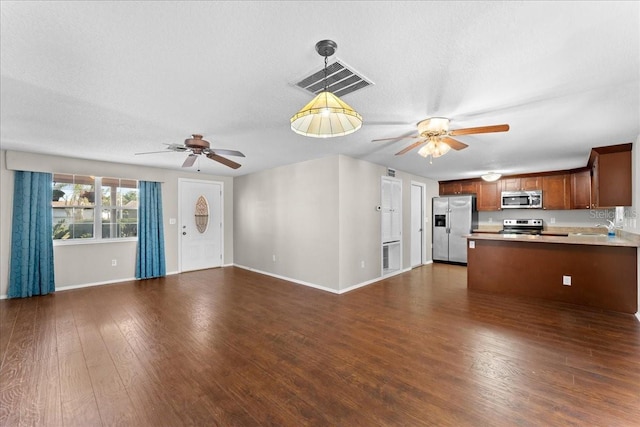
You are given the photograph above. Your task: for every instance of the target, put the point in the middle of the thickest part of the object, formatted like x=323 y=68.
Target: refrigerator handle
x=447 y=219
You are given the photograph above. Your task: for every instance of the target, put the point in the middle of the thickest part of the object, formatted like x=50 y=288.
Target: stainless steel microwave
x=522 y=199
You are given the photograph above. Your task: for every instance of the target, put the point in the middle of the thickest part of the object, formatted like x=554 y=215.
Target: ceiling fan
x=435 y=137
x=196 y=145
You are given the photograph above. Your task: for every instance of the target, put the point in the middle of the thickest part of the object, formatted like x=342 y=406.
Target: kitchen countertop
x=571 y=239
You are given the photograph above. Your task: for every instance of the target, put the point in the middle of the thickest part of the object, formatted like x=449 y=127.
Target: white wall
x=290 y=212
x=95 y=266
x=359 y=227
x=329 y=223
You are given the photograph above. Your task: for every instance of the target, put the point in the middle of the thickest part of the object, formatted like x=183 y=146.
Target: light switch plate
x=472 y=244
x=566 y=280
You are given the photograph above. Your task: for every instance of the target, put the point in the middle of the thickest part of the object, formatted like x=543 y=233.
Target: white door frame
x=182 y=181
x=423 y=196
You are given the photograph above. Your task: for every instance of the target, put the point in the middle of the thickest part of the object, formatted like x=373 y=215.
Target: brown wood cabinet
x=611 y=176
x=521 y=184
x=536 y=269
x=605 y=182
x=556 y=191
x=488 y=196
x=458 y=187
x=581 y=189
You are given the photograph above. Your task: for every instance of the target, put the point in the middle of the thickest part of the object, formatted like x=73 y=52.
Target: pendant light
x=326 y=115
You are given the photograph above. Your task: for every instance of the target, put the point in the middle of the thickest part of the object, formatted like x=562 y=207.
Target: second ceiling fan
x=435 y=137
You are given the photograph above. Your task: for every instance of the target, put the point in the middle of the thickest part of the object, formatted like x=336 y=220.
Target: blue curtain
x=150 y=260
x=31 y=236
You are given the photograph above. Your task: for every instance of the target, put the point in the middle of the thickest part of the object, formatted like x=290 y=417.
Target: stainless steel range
x=521 y=226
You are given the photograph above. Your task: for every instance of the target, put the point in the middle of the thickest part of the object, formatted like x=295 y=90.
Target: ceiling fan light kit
x=434 y=148
x=491 y=176
x=326 y=116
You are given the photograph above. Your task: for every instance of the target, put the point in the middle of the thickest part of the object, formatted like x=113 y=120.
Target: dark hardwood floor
x=230 y=347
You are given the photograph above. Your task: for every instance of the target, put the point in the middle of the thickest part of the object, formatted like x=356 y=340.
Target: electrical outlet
x=361 y=264
x=472 y=244
x=566 y=280
x=114 y=262
x=274 y=258
x=552 y=220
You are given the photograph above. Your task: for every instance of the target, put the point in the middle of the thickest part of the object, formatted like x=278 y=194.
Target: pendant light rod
x=326 y=48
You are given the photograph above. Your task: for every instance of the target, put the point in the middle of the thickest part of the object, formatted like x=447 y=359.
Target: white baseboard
x=638 y=315
x=108 y=282
x=289 y=279
x=324 y=288
x=89 y=285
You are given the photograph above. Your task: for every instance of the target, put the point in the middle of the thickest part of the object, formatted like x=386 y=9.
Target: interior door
x=417 y=225
x=200 y=224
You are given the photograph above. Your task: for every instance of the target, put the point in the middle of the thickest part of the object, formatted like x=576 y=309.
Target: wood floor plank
x=231 y=347
x=43 y=407
x=18 y=365
x=8 y=316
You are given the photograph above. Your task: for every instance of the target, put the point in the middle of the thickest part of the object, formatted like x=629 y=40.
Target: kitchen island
x=596 y=271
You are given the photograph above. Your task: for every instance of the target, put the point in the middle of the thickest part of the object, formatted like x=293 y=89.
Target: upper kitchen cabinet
x=458 y=187
x=521 y=184
x=488 y=196
x=556 y=191
x=611 y=176
x=581 y=189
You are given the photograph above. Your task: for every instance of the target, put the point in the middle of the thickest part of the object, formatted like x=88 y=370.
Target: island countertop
x=593 y=240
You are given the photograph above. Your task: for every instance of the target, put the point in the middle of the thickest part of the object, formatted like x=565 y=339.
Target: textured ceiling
x=106 y=80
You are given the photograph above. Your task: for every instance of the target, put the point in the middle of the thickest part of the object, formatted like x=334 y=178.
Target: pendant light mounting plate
x=326 y=48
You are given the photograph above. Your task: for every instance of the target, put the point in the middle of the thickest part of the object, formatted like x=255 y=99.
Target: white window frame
x=97 y=218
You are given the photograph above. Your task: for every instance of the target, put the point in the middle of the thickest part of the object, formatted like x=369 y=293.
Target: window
x=78 y=214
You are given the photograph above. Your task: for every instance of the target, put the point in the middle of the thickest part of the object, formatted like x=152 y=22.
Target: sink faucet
x=611 y=227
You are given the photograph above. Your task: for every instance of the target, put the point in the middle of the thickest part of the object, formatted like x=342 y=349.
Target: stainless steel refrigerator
x=453 y=218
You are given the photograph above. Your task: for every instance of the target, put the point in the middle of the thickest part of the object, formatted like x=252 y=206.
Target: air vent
x=341 y=80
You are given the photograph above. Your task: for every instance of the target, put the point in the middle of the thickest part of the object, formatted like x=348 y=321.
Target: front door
x=200 y=224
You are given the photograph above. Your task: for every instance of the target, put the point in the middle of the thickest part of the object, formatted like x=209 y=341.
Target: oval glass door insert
x=202 y=214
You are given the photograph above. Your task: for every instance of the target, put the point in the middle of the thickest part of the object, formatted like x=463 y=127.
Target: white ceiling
x=106 y=80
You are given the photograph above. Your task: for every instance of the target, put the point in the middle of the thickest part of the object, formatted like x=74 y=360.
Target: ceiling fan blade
x=170 y=149
x=455 y=144
x=480 y=129
x=396 y=138
x=411 y=147
x=155 y=152
x=227 y=152
x=223 y=160
x=189 y=161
